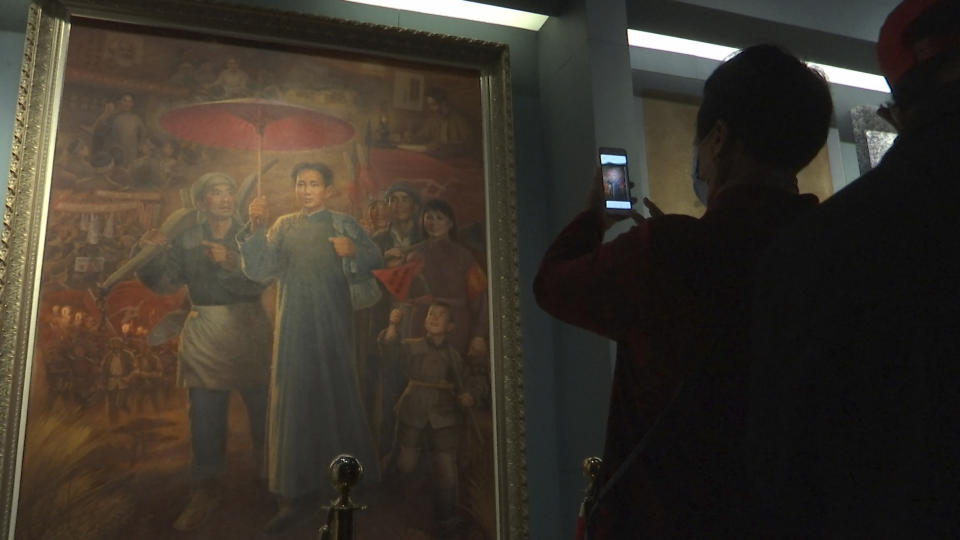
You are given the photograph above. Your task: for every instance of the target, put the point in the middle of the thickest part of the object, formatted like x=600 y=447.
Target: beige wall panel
x=669 y=130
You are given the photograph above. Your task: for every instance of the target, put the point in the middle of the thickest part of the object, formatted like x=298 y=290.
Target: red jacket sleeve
x=596 y=286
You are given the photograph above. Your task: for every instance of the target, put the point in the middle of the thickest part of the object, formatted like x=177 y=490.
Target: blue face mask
x=701 y=188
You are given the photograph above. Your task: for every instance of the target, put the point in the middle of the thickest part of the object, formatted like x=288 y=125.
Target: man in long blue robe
x=316 y=411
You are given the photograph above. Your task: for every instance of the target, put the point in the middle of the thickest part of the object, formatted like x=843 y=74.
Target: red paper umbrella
x=255 y=124
x=246 y=123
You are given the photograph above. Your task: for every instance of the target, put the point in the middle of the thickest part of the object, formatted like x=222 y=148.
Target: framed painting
x=239 y=243
x=872 y=135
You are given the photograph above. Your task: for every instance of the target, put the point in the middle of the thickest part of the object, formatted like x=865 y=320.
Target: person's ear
x=717 y=138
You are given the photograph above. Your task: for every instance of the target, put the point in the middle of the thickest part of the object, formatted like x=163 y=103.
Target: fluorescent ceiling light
x=461 y=9
x=849 y=77
x=660 y=42
x=711 y=51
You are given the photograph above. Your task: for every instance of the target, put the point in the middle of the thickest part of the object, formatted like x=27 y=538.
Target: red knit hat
x=894 y=51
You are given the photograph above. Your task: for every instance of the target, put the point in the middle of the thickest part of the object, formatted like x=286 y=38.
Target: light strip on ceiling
x=711 y=51
x=461 y=9
x=858 y=79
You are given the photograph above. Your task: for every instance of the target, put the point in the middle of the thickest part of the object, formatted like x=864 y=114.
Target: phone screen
x=616 y=185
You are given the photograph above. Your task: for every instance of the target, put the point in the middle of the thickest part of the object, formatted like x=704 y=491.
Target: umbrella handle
x=259 y=153
x=260 y=126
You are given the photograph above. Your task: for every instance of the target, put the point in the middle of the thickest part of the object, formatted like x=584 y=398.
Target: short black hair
x=442 y=206
x=444 y=305
x=776 y=105
x=314 y=166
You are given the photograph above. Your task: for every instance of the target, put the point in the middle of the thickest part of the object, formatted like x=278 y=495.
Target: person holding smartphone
x=673 y=291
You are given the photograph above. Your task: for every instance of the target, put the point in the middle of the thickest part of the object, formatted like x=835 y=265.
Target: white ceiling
x=860 y=19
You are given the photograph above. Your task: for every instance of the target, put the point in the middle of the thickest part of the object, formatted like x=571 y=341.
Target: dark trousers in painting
x=208 y=427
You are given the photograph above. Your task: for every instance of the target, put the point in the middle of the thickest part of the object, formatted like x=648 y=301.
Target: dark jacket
x=856 y=426
x=673 y=293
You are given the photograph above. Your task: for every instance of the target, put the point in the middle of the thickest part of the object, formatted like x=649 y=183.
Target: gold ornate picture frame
x=129 y=117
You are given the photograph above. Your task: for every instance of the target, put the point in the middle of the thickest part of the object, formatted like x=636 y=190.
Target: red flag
x=397 y=279
x=362 y=187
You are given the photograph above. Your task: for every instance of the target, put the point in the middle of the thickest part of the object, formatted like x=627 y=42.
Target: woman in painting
x=316 y=411
x=451 y=275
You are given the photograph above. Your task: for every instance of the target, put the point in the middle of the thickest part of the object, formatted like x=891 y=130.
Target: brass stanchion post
x=345 y=472
x=591 y=470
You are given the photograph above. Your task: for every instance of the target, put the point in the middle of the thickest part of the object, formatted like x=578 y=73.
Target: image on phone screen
x=616 y=190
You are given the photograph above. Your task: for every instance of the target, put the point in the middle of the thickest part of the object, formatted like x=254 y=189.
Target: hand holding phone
x=654 y=210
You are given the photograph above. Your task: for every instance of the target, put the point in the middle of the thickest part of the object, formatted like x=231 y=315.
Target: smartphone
x=616 y=182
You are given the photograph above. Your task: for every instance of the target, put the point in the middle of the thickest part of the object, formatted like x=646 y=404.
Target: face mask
x=701 y=188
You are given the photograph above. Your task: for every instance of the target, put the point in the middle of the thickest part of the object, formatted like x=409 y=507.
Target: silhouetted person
x=855 y=423
x=673 y=292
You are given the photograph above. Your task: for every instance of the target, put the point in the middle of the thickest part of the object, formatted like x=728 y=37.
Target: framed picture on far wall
x=240 y=243
x=872 y=134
